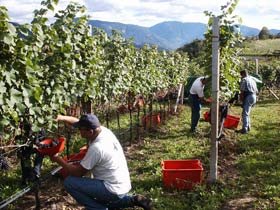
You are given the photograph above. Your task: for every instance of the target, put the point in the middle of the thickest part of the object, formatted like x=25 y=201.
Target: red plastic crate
x=181 y=174
x=75 y=159
x=231 y=121
x=149 y=119
x=54 y=149
x=206 y=116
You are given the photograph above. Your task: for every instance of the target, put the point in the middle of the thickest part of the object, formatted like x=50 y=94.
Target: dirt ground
x=52 y=196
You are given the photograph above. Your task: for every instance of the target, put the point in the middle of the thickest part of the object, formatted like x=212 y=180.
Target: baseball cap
x=87 y=121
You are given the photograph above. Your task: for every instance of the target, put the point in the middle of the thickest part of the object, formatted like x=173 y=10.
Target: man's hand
x=59 y=117
x=72 y=169
x=54 y=157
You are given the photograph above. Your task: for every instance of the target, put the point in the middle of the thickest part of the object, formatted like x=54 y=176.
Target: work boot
x=242 y=131
x=141 y=201
x=194 y=131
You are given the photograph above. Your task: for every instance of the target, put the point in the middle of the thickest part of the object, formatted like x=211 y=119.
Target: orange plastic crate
x=181 y=174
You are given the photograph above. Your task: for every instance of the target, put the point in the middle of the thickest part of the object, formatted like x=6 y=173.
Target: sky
x=254 y=13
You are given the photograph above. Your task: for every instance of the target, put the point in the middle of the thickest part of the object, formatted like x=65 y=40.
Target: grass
x=248 y=164
x=248 y=167
x=268 y=46
x=259 y=161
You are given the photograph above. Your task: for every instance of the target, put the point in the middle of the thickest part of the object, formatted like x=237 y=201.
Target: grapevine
x=45 y=69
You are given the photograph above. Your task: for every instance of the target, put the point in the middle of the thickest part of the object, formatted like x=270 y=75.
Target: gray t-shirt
x=106 y=161
x=248 y=85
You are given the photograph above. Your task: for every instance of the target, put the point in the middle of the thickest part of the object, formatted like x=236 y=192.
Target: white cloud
x=259 y=13
x=255 y=13
x=22 y=11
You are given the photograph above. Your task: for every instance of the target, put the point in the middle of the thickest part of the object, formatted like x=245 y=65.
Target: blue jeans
x=38 y=162
x=195 y=108
x=93 y=194
x=248 y=103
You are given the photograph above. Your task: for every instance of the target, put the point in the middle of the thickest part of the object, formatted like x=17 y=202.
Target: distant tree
x=193 y=49
x=264 y=33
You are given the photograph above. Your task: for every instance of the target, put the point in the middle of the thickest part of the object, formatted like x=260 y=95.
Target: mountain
x=141 y=35
x=168 y=35
x=248 y=31
x=274 y=31
x=176 y=34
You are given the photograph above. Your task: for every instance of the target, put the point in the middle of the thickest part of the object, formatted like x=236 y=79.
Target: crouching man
x=105 y=159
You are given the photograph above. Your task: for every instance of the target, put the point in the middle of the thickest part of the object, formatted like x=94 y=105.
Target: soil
x=52 y=196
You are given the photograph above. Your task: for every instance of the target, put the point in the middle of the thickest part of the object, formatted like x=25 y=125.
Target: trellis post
x=257 y=66
x=215 y=102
